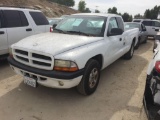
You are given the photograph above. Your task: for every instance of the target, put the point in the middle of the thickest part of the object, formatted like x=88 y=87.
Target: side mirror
x=157 y=30
x=115 y=31
x=54 y=26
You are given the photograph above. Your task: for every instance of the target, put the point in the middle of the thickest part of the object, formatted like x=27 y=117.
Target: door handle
x=2 y=32
x=29 y=29
x=153 y=28
x=156 y=30
x=120 y=39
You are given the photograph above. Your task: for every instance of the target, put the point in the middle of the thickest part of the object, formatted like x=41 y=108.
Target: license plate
x=30 y=81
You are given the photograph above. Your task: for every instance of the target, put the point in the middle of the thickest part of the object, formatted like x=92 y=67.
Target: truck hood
x=54 y=43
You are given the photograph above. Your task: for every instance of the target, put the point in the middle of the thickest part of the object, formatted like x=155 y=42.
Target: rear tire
x=130 y=53
x=145 y=41
x=90 y=80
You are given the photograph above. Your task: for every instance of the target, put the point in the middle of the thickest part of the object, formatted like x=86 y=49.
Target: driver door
x=113 y=43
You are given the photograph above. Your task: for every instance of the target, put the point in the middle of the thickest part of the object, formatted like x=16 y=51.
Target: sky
x=133 y=7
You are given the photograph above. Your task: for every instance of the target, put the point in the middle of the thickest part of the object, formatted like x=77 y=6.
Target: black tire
x=130 y=53
x=85 y=87
x=138 y=43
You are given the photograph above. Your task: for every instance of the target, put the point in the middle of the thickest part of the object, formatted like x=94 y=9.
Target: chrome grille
x=34 y=59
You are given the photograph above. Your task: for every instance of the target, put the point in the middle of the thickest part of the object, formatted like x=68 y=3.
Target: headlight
x=64 y=65
x=10 y=52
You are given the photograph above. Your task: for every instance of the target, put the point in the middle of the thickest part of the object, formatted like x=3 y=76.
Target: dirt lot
x=118 y=97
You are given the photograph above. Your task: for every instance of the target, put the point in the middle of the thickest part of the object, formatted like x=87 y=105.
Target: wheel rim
x=93 y=78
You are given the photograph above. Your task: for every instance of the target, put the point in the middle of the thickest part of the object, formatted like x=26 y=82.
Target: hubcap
x=93 y=78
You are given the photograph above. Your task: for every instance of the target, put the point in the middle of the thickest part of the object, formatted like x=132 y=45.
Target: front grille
x=41 y=56
x=21 y=58
x=21 y=52
x=37 y=60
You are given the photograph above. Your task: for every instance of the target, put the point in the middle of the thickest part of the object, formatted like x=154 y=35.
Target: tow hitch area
x=151 y=99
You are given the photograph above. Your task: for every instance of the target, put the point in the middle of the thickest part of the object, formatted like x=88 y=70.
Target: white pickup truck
x=74 y=54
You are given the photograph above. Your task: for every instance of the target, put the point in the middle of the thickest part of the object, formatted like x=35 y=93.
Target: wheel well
x=134 y=41
x=99 y=58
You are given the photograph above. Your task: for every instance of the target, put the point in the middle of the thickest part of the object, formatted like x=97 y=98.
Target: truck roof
x=98 y=14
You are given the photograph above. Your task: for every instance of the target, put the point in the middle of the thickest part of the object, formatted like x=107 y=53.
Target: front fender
x=82 y=54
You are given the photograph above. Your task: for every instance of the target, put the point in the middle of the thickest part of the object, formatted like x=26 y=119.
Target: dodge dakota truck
x=74 y=53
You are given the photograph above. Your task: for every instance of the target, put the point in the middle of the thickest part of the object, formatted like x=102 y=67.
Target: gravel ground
x=118 y=97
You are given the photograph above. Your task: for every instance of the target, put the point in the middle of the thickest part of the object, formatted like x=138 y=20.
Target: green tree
x=126 y=17
x=138 y=16
x=112 y=10
x=147 y=14
x=87 y=10
x=152 y=13
x=69 y=3
x=82 y=6
x=97 y=11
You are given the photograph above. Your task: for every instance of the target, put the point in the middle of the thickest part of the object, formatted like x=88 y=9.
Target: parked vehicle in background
x=142 y=37
x=18 y=23
x=152 y=26
x=74 y=54
x=54 y=21
x=152 y=89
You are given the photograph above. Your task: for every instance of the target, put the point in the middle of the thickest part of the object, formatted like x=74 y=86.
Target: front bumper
x=48 y=78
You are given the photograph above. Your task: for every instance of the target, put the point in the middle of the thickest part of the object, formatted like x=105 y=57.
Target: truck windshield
x=83 y=25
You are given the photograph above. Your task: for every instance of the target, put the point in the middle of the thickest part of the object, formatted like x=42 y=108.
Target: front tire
x=138 y=43
x=130 y=53
x=90 y=80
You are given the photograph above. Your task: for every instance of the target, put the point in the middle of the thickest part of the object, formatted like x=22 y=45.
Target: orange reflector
x=65 y=69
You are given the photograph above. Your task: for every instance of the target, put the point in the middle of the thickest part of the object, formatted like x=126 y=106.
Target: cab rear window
x=39 y=18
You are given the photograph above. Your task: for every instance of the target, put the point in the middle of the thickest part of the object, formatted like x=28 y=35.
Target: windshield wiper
x=79 y=32
x=60 y=31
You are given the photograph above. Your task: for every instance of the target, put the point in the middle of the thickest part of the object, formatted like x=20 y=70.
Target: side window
x=39 y=18
x=120 y=23
x=147 y=23
x=112 y=24
x=157 y=24
x=2 y=22
x=13 y=18
x=23 y=19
